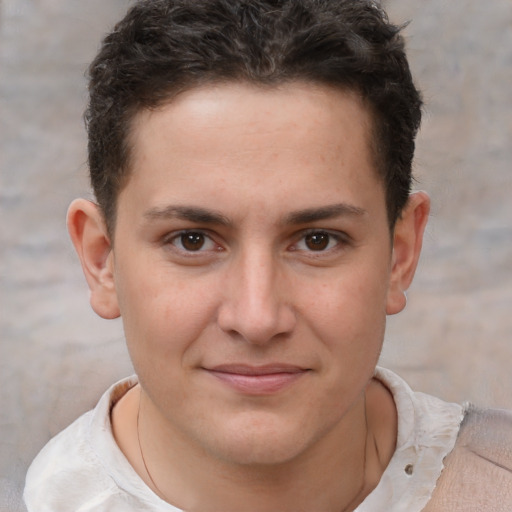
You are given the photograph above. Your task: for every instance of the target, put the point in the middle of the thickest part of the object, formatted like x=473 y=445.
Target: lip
x=257 y=380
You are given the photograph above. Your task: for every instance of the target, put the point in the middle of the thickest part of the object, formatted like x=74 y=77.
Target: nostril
x=259 y=325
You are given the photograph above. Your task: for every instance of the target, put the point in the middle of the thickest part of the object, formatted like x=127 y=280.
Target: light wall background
x=57 y=357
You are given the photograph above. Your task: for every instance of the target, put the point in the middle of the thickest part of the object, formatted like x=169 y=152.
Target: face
x=251 y=262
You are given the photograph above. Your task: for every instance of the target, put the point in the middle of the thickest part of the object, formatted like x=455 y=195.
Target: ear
x=407 y=242
x=88 y=233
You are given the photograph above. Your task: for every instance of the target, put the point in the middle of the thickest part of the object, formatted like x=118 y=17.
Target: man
x=251 y=162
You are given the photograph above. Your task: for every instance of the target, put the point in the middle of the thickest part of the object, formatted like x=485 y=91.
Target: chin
x=261 y=452
x=260 y=443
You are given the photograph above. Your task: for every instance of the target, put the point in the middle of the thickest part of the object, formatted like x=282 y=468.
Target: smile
x=258 y=380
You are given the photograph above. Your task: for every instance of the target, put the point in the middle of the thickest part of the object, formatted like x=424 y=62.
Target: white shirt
x=82 y=469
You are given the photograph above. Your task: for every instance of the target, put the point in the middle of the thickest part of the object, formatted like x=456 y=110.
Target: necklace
x=354 y=501
x=345 y=509
x=158 y=491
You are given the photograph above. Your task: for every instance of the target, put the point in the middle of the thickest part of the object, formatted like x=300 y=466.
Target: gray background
x=56 y=357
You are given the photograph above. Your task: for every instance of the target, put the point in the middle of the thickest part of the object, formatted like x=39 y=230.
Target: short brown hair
x=162 y=47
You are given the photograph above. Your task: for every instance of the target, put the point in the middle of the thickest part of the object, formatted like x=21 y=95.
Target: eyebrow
x=190 y=213
x=324 y=212
x=204 y=216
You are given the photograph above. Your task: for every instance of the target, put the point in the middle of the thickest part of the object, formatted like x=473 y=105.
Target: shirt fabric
x=83 y=469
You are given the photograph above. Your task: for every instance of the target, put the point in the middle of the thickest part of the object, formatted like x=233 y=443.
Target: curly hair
x=163 y=47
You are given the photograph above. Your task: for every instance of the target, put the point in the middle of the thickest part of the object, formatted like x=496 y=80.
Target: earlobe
x=88 y=233
x=407 y=243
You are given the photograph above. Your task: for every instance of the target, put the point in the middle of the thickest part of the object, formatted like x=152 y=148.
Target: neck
x=319 y=479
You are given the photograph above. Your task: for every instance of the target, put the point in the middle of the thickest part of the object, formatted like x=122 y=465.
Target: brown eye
x=192 y=241
x=317 y=241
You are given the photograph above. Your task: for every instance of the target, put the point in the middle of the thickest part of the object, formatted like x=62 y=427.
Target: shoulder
x=64 y=470
x=488 y=433
x=76 y=470
x=478 y=471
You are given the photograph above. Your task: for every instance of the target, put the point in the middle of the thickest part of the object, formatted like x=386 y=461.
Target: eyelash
x=339 y=239
x=179 y=236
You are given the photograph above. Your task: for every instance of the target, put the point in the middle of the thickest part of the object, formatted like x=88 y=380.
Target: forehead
x=255 y=106
x=227 y=137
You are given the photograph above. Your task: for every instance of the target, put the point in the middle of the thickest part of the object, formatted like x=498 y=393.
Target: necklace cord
x=158 y=491
x=349 y=506
x=345 y=509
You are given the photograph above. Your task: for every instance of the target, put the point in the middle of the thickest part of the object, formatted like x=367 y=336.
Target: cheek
x=351 y=302
x=348 y=317
x=163 y=314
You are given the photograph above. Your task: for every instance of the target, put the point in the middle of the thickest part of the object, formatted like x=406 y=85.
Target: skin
x=252 y=237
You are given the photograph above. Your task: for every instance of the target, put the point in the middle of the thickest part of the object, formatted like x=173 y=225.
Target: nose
x=254 y=307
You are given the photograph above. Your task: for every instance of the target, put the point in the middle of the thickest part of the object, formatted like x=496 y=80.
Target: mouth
x=257 y=380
